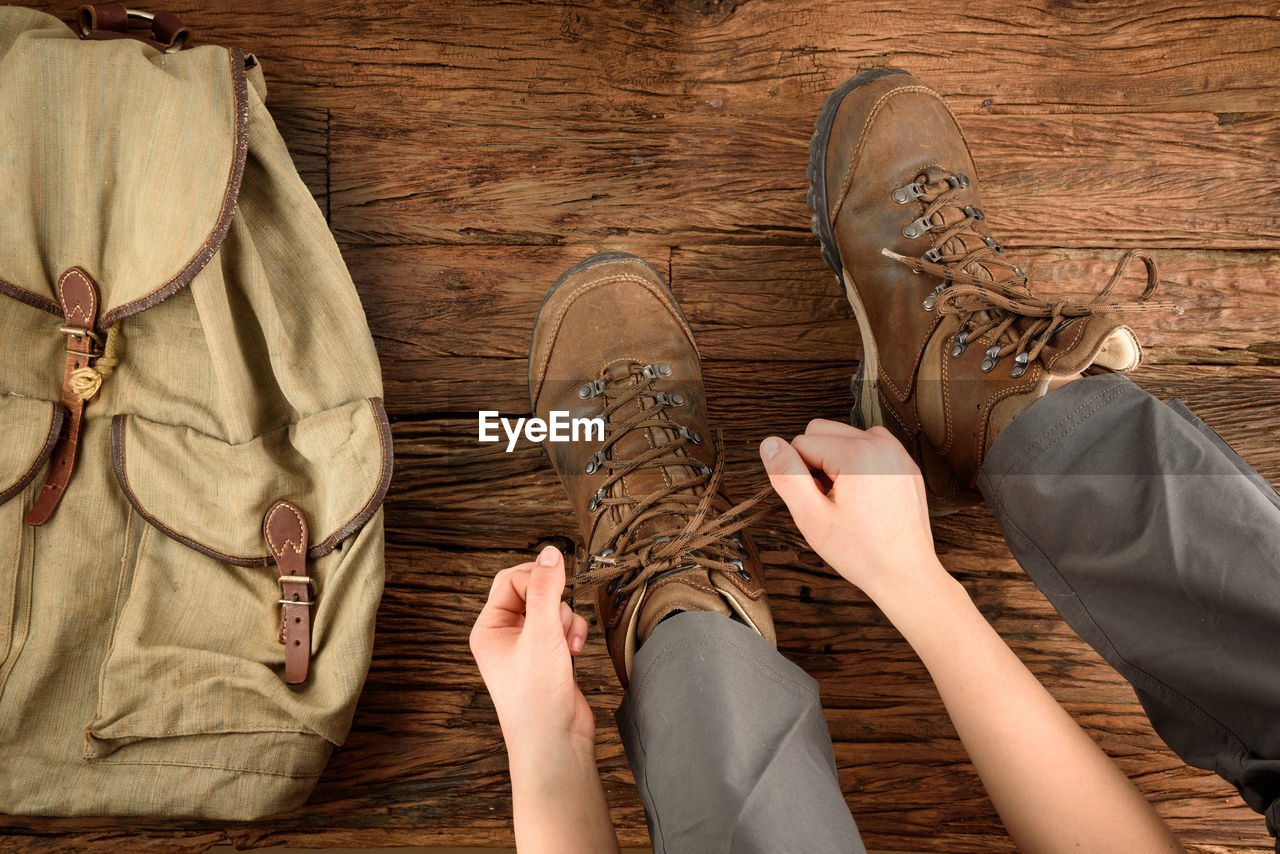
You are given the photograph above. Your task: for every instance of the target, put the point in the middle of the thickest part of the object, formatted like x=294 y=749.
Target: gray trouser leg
x=729 y=746
x=1161 y=547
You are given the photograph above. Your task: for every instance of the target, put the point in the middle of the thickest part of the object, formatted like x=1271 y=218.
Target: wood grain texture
x=1192 y=180
x=467 y=153
x=780 y=303
x=748 y=58
x=450 y=486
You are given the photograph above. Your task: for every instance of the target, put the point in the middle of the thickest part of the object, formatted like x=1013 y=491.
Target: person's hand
x=859 y=500
x=523 y=642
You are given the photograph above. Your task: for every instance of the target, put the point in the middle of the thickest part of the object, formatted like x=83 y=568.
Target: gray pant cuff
x=1157 y=544
x=729 y=745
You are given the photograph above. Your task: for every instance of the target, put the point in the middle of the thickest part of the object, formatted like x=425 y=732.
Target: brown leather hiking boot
x=611 y=342
x=955 y=344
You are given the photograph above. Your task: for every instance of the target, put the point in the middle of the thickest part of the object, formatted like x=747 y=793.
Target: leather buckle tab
x=78 y=296
x=286 y=531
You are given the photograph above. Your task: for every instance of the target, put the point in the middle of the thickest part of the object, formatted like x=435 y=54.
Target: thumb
x=792 y=480
x=546 y=583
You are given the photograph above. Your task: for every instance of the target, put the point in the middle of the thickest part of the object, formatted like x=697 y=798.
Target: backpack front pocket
x=195 y=673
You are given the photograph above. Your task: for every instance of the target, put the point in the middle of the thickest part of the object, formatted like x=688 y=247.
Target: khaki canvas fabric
x=140 y=668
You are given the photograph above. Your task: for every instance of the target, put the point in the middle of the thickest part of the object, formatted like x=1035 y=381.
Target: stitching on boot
x=862 y=139
x=545 y=361
x=904 y=394
x=1053 y=360
x=990 y=406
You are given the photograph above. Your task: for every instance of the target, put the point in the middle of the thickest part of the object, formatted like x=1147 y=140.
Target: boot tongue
x=692 y=589
x=971 y=239
x=1099 y=340
x=688 y=591
x=644 y=481
x=962 y=244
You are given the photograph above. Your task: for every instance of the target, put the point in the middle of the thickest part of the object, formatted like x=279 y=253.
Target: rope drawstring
x=86 y=382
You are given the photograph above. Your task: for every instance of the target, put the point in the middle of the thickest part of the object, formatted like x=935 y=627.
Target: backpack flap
x=212 y=496
x=115 y=158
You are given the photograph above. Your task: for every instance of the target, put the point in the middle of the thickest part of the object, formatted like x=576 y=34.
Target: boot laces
x=683 y=526
x=1001 y=301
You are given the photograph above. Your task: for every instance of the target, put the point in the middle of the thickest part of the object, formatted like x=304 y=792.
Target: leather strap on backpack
x=79 y=298
x=111 y=21
x=286 y=531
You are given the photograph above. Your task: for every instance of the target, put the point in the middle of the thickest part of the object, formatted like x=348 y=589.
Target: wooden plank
x=1186 y=180
x=451 y=490
x=750 y=58
x=780 y=303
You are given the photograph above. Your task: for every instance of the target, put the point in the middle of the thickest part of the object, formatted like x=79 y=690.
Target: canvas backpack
x=194 y=450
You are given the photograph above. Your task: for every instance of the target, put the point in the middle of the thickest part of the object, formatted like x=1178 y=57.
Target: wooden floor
x=465 y=153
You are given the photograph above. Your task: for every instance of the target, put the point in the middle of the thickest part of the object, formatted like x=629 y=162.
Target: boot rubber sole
x=865 y=383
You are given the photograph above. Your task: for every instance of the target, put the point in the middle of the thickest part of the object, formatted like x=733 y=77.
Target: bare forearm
x=1053 y=787
x=559 y=802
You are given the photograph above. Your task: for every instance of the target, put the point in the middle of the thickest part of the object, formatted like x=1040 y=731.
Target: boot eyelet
x=692 y=435
x=933 y=256
x=656 y=371
x=918 y=228
x=1019 y=365
x=675 y=398
x=593 y=464
x=909 y=193
x=594 y=504
x=993 y=357
x=591 y=389
x=740 y=570
x=931 y=299
x=974 y=212
x=612 y=587
x=617 y=601
x=705 y=471
x=962 y=342
x=959 y=180
x=993 y=243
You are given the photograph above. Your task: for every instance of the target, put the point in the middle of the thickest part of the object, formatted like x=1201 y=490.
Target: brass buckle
x=298 y=579
x=76 y=332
